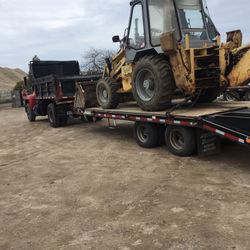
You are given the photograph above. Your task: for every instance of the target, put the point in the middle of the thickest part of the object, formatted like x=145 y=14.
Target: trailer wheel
x=30 y=113
x=146 y=134
x=106 y=93
x=180 y=141
x=54 y=120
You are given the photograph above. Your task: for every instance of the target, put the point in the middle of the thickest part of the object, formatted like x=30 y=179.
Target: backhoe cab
x=171 y=49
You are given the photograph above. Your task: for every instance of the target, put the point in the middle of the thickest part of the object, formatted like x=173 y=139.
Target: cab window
x=163 y=19
x=136 y=32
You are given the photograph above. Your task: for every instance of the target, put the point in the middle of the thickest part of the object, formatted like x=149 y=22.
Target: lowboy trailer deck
x=186 y=130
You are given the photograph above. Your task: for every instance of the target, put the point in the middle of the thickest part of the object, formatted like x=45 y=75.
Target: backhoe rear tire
x=106 y=93
x=153 y=83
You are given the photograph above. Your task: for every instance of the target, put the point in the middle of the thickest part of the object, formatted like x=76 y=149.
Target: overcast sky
x=63 y=29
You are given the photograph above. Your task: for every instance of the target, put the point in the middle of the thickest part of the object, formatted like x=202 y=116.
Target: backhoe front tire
x=106 y=93
x=153 y=83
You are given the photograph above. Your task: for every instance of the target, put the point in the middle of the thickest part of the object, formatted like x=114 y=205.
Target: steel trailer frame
x=223 y=120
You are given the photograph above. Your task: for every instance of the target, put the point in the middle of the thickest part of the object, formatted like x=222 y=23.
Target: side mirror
x=116 y=39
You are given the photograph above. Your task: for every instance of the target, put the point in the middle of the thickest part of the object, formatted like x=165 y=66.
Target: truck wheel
x=54 y=120
x=180 y=141
x=153 y=83
x=63 y=121
x=146 y=134
x=30 y=113
x=106 y=93
x=209 y=96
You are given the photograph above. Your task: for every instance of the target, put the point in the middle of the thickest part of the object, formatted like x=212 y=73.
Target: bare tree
x=94 y=60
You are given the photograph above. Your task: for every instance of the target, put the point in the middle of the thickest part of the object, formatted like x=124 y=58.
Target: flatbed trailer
x=186 y=130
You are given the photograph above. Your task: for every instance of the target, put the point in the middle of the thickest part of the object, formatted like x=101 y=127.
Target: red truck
x=53 y=87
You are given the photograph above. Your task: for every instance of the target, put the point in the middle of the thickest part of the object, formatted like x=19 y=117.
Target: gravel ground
x=86 y=187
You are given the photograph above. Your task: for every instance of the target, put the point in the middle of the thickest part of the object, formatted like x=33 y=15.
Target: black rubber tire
x=30 y=113
x=209 y=96
x=54 y=120
x=63 y=121
x=111 y=87
x=162 y=77
x=146 y=134
x=180 y=141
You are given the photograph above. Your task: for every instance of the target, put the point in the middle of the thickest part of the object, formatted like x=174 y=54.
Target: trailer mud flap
x=207 y=143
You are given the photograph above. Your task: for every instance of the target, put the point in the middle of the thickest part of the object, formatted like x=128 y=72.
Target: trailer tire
x=153 y=83
x=146 y=134
x=54 y=120
x=180 y=141
x=106 y=93
x=30 y=113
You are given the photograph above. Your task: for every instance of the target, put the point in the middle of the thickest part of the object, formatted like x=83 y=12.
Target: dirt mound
x=9 y=77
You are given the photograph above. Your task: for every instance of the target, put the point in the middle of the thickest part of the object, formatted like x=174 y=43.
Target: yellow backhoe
x=171 y=49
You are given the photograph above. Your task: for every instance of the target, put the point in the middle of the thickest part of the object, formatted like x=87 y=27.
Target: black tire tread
x=115 y=97
x=164 y=74
x=189 y=137
x=153 y=140
x=57 y=121
x=30 y=113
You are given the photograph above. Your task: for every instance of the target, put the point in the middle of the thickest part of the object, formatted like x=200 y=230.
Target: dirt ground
x=86 y=187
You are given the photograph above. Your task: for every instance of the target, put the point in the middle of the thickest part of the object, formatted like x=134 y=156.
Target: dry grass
x=9 y=77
